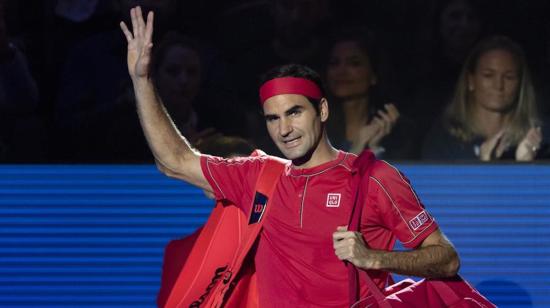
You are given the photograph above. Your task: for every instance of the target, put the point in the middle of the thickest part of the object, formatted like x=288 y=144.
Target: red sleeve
x=232 y=179
x=396 y=205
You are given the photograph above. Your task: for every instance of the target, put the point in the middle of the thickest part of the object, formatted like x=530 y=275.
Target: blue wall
x=89 y=236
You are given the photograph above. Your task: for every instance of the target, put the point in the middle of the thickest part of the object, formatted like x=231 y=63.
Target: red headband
x=289 y=85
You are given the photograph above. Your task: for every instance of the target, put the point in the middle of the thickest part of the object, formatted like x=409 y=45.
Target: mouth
x=290 y=143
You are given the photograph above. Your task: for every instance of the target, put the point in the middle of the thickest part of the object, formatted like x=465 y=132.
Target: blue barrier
x=93 y=236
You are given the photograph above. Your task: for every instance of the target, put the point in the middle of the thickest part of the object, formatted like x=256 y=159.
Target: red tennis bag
x=454 y=292
x=434 y=293
x=217 y=264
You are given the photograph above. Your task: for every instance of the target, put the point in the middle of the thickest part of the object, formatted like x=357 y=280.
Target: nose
x=500 y=82
x=183 y=78
x=285 y=127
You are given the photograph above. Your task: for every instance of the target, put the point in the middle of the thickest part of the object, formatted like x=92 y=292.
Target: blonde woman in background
x=493 y=114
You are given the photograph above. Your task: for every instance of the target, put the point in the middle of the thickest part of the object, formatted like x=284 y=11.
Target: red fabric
x=295 y=256
x=175 y=255
x=217 y=264
x=289 y=85
x=446 y=293
x=200 y=273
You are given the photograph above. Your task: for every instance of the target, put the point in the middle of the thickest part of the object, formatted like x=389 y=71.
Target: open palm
x=139 y=43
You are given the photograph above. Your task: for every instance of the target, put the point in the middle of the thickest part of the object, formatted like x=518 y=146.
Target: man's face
x=294 y=124
x=179 y=77
x=460 y=24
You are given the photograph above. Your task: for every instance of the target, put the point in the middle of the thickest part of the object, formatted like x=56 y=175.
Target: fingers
x=140 y=21
x=502 y=146
x=533 y=139
x=343 y=237
x=146 y=52
x=149 y=27
x=489 y=146
x=126 y=32
x=139 y=27
x=386 y=121
x=387 y=118
x=392 y=112
x=133 y=17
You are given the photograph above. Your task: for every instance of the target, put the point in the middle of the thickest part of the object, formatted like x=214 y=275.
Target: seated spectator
x=457 y=26
x=361 y=118
x=180 y=76
x=493 y=114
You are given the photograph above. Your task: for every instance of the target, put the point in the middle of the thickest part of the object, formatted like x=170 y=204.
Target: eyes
x=354 y=61
x=291 y=113
x=491 y=74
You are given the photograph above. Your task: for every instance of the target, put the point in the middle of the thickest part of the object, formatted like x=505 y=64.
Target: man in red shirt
x=304 y=239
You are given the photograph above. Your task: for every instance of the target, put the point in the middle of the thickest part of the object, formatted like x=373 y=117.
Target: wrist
x=373 y=260
x=142 y=83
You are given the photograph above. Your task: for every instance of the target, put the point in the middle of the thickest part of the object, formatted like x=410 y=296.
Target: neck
x=489 y=122
x=323 y=153
x=355 y=115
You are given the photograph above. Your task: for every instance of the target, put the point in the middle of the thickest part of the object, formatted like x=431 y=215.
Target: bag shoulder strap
x=362 y=166
x=265 y=185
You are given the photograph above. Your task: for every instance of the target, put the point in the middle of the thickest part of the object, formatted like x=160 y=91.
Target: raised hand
x=529 y=145
x=380 y=126
x=386 y=121
x=139 y=43
x=365 y=134
x=493 y=147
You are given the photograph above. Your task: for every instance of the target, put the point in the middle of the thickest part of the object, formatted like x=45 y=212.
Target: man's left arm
x=435 y=257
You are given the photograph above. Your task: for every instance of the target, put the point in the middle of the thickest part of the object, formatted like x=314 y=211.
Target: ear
x=323 y=109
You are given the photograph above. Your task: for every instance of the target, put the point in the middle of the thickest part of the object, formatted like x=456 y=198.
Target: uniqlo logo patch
x=419 y=220
x=333 y=200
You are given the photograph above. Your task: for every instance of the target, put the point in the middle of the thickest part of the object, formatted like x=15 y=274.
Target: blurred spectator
x=457 y=26
x=291 y=31
x=22 y=129
x=493 y=114
x=95 y=95
x=360 y=116
x=76 y=10
x=179 y=73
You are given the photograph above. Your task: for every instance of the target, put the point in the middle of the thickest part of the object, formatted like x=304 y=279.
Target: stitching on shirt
x=408 y=184
x=393 y=203
x=414 y=238
x=233 y=162
x=341 y=163
x=212 y=177
x=302 y=205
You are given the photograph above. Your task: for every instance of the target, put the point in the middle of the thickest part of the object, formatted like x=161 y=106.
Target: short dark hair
x=299 y=71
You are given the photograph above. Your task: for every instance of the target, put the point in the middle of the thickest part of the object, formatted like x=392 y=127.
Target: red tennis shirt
x=295 y=260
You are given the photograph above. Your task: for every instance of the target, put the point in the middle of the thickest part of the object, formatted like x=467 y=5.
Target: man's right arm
x=173 y=154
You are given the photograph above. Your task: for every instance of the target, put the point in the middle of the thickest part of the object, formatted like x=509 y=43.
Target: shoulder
x=382 y=170
x=256 y=159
